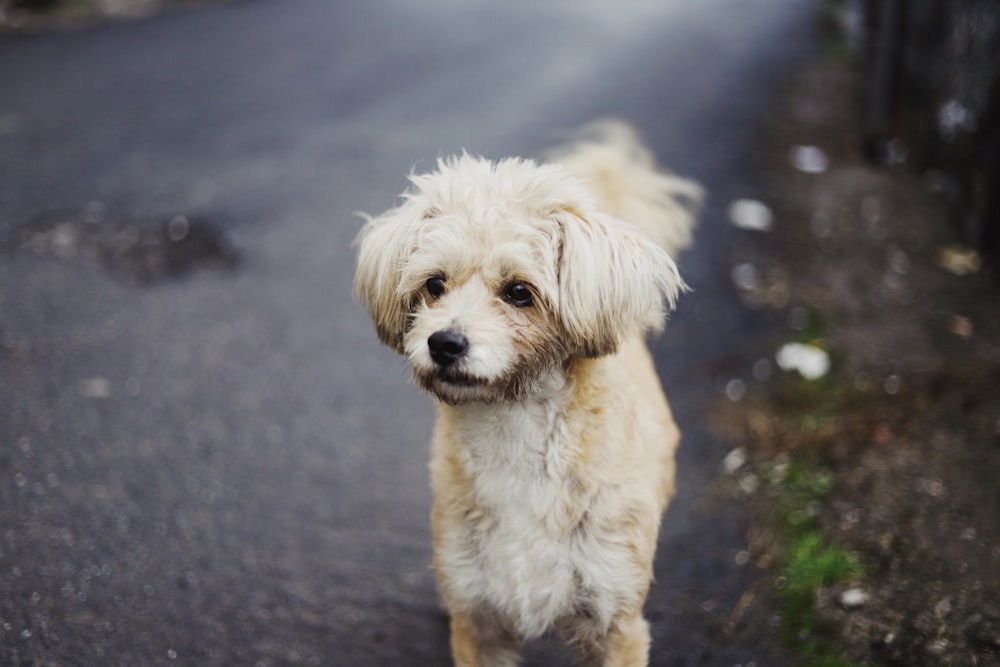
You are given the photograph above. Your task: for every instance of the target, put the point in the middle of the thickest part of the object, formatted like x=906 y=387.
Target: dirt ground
x=865 y=261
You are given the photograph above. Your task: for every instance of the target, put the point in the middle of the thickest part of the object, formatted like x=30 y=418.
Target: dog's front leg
x=624 y=644
x=627 y=643
x=482 y=641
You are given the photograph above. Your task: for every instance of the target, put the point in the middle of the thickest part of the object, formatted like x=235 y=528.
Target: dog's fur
x=519 y=292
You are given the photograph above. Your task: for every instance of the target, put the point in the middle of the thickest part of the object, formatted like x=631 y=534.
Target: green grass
x=813 y=564
x=809 y=562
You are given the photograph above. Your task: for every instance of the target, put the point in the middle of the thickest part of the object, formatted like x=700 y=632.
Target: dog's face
x=490 y=277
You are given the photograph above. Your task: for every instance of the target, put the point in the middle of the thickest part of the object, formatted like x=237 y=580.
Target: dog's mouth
x=457 y=378
x=452 y=385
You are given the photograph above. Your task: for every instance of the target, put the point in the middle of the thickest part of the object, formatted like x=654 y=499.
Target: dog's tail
x=622 y=172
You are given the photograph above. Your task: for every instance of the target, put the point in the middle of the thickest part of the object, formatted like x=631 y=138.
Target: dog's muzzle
x=447 y=347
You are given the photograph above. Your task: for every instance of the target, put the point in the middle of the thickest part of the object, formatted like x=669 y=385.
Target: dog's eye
x=435 y=286
x=517 y=294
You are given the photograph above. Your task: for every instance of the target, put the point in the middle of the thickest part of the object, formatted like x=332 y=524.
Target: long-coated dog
x=520 y=293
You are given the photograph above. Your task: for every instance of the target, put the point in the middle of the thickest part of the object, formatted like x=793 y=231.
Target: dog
x=519 y=292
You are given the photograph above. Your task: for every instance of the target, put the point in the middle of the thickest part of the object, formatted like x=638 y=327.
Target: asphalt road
x=205 y=456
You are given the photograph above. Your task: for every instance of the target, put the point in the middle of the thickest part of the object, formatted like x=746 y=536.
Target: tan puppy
x=519 y=293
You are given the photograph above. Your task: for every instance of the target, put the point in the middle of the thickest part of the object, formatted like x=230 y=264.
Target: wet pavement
x=206 y=457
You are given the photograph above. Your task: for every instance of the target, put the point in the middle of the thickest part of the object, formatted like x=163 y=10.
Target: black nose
x=447 y=347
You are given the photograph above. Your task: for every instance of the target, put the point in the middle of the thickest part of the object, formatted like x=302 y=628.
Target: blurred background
x=206 y=458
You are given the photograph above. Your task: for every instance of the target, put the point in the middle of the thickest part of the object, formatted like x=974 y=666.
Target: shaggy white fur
x=519 y=293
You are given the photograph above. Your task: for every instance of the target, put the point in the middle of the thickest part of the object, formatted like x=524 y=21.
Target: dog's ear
x=613 y=281
x=383 y=246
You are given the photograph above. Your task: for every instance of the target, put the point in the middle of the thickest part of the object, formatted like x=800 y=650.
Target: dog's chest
x=522 y=563
x=532 y=553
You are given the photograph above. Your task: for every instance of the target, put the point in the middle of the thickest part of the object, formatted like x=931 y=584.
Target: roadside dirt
x=34 y=16
x=865 y=262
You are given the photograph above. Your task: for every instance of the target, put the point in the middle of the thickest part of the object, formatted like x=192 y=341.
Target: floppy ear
x=613 y=281
x=383 y=246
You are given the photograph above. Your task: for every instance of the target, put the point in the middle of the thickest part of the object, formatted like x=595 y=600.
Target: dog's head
x=490 y=277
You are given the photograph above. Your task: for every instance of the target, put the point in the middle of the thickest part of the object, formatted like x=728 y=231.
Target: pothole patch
x=147 y=250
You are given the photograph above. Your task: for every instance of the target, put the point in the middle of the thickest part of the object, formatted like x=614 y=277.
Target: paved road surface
x=221 y=466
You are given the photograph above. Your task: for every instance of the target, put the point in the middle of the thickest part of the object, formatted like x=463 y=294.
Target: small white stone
x=749 y=483
x=809 y=159
x=855 y=597
x=736 y=389
x=734 y=460
x=751 y=214
x=810 y=361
